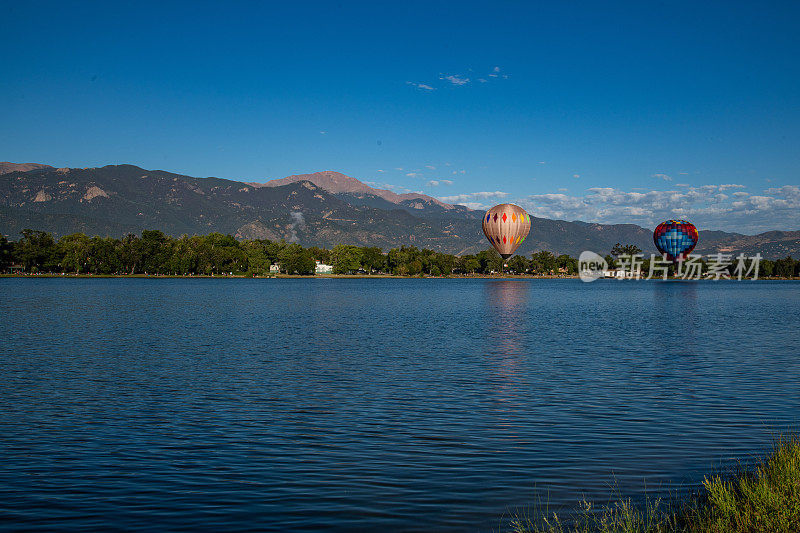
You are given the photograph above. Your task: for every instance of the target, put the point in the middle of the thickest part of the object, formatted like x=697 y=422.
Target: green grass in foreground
x=764 y=498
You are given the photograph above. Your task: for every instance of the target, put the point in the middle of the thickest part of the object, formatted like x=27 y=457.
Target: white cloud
x=423 y=86
x=469 y=199
x=706 y=206
x=542 y=163
x=323 y=132
x=454 y=79
x=576 y=176
x=391 y=187
x=430 y=167
x=662 y=177
x=483 y=80
x=433 y=183
x=791 y=192
x=446 y=182
x=412 y=174
x=379 y=170
x=398 y=168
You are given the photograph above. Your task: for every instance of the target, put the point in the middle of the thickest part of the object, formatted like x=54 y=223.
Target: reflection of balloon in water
x=506 y=226
x=676 y=238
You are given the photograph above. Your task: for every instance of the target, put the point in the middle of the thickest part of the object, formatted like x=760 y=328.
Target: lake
x=386 y=404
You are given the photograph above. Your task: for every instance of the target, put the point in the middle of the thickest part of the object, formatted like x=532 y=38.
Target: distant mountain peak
x=6 y=167
x=336 y=183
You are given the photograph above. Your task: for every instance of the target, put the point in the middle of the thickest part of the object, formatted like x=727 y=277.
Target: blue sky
x=607 y=112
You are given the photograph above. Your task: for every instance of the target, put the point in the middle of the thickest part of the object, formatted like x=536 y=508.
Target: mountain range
x=318 y=209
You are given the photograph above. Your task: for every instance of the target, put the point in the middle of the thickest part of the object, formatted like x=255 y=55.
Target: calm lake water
x=376 y=404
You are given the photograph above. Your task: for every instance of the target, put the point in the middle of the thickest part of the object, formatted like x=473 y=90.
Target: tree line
x=216 y=254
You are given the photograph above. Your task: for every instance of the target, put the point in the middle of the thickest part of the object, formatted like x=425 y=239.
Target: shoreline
x=760 y=497
x=351 y=276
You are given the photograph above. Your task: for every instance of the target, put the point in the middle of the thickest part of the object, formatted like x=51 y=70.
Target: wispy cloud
x=576 y=176
x=454 y=79
x=706 y=206
x=436 y=183
x=497 y=74
x=430 y=167
x=662 y=177
x=475 y=200
x=423 y=86
x=389 y=186
x=458 y=80
x=412 y=174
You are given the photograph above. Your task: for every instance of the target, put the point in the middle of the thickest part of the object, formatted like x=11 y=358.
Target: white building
x=322 y=268
x=274 y=269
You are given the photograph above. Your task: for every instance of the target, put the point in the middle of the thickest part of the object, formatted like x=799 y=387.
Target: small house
x=322 y=268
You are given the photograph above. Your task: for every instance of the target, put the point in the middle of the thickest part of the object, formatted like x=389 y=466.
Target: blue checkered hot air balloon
x=676 y=239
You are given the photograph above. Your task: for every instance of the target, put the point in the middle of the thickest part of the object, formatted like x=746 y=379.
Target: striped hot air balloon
x=506 y=226
x=676 y=239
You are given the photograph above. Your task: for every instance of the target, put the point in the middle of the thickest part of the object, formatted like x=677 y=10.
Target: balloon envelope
x=506 y=226
x=676 y=239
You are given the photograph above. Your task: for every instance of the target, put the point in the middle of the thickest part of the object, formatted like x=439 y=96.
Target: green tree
x=219 y=254
x=567 y=264
x=627 y=249
x=36 y=250
x=785 y=267
x=399 y=260
x=372 y=259
x=156 y=251
x=346 y=259
x=131 y=253
x=518 y=264
x=444 y=263
x=74 y=252
x=103 y=256
x=294 y=259
x=490 y=261
x=6 y=253
x=257 y=260
x=467 y=264
x=320 y=254
x=543 y=262
x=766 y=268
x=183 y=259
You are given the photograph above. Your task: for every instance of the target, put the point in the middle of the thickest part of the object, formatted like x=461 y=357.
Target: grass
x=762 y=498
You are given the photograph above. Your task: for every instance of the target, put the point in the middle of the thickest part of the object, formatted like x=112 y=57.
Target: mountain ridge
x=119 y=199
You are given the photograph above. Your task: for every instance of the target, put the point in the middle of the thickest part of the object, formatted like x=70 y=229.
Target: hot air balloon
x=676 y=239
x=506 y=226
